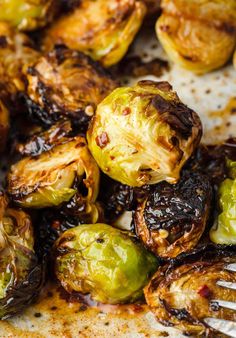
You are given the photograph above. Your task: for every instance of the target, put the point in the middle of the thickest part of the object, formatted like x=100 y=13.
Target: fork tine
x=224 y=326
x=224 y=303
x=228 y=285
x=231 y=267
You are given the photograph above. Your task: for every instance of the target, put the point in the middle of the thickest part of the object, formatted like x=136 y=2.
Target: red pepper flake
x=102 y=140
x=112 y=157
x=126 y=111
x=204 y=291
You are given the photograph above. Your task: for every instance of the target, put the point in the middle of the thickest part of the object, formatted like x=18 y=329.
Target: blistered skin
x=16 y=52
x=199 y=37
x=21 y=274
x=103 y=261
x=66 y=171
x=143 y=134
x=102 y=29
x=181 y=294
x=172 y=218
x=27 y=15
x=224 y=230
x=66 y=83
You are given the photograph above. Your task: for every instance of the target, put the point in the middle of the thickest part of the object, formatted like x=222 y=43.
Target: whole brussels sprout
x=55 y=176
x=21 y=275
x=66 y=83
x=198 y=36
x=103 y=261
x=181 y=294
x=224 y=231
x=105 y=33
x=172 y=218
x=27 y=14
x=143 y=134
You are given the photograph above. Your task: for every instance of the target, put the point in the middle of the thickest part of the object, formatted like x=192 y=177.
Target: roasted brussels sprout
x=66 y=83
x=67 y=170
x=4 y=121
x=103 y=261
x=182 y=294
x=172 y=218
x=106 y=31
x=144 y=134
x=16 y=52
x=224 y=231
x=21 y=274
x=27 y=14
x=198 y=36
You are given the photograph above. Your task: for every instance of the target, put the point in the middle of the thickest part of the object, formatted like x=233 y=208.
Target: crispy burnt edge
x=51 y=111
x=204 y=252
x=195 y=228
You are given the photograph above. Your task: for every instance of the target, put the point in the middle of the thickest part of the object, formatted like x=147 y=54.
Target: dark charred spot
x=3 y=41
x=100 y=240
x=102 y=140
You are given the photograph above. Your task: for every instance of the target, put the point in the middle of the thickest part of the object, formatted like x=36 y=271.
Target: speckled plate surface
x=213 y=96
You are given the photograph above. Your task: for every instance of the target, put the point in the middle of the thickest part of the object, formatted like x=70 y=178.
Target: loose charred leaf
x=66 y=83
x=180 y=294
x=143 y=134
x=172 y=218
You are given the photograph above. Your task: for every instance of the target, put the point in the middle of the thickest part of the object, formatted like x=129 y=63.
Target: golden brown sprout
x=66 y=83
x=182 y=294
x=27 y=14
x=199 y=37
x=172 y=218
x=103 y=29
x=16 y=52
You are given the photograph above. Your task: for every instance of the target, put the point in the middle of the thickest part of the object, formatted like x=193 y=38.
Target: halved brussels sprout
x=224 y=231
x=67 y=170
x=66 y=83
x=21 y=275
x=172 y=218
x=106 y=31
x=103 y=261
x=27 y=14
x=4 y=122
x=182 y=294
x=199 y=40
x=143 y=134
x=16 y=52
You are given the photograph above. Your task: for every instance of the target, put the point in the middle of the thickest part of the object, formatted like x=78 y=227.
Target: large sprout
x=66 y=83
x=64 y=173
x=200 y=36
x=27 y=14
x=143 y=134
x=103 y=261
x=21 y=275
x=105 y=32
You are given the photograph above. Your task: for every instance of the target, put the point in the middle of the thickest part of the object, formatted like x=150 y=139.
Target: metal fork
x=226 y=327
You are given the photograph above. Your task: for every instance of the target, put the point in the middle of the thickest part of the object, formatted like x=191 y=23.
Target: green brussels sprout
x=143 y=134
x=55 y=176
x=27 y=14
x=103 y=261
x=21 y=275
x=224 y=232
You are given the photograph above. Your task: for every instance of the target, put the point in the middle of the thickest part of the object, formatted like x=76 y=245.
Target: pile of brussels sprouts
x=83 y=151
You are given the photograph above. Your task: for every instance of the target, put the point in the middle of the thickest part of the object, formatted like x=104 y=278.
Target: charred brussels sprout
x=21 y=275
x=16 y=52
x=27 y=14
x=66 y=171
x=103 y=261
x=172 y=218
x=143 y=134
x=66 y=83
x=198 y=36
x=106 y=31
x=224 y=232
x=182 y=294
